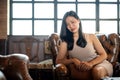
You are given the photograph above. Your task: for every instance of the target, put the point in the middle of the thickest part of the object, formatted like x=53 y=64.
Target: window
x=108 y=18
x=108 y=11
x=87 y=11
x=43 y=27
x=44 y=10
x=43 y=17
x=62 y=8
x=22 y=27
x=23 y=10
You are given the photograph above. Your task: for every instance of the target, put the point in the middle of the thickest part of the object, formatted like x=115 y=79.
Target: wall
x=3 y=26
x=3 y=19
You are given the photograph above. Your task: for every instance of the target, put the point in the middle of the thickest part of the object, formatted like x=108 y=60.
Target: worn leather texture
x=15 y=66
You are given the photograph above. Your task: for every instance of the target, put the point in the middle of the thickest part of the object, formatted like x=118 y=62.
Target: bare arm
x=84 y=66
x=62 y=56
x=100 y=50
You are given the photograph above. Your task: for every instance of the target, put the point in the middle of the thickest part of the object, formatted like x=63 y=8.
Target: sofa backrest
x=110 y=42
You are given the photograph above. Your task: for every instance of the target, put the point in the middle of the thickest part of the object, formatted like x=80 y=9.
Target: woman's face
x=72 y=24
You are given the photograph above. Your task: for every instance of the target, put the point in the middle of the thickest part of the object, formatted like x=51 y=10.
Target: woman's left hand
x=85 y=66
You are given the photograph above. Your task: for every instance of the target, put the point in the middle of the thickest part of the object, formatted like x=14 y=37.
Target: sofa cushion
x=45 y=64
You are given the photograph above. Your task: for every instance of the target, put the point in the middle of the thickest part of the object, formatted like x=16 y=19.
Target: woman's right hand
x=76 y=62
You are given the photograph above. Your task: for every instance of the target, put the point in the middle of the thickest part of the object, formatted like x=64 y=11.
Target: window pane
x=88 y=26
x=63 y=8
x=22 y=10
x=44 y=27
x=44 y=10
x=66 y=0
x=108 y=0
x=119 y=27
x=86 y=0
x=86 y=10
x=119 y=11
x=22 y=0
x=59 y=26
x=108 y=27
x=43 y=0
x=22 y=27
x=108 y=11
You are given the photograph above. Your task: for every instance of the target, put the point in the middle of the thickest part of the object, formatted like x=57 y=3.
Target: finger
x=82 y=67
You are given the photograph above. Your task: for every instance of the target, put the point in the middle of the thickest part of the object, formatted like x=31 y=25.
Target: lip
x=73 y=29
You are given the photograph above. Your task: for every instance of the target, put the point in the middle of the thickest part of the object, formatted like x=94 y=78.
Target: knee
x=99 y=72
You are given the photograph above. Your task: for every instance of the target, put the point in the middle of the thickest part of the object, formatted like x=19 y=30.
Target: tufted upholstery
x=15 y=66
x=110 y=43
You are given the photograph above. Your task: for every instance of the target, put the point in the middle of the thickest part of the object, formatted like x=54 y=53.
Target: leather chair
x=109 y=41
x=15 y=67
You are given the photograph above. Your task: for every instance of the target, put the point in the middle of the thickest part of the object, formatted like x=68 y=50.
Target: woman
x=85 y=51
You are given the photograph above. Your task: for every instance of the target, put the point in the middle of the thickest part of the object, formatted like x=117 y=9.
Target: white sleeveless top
x=83 y=54
x=88 y=53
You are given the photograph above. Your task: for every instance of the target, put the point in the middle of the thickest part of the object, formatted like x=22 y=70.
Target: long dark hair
x=67 y=36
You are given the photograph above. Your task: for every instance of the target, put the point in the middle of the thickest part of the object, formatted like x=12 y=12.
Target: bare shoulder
x=62 y=49
x=91 y=35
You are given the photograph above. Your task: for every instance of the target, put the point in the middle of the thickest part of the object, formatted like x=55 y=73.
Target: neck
x=75 y=35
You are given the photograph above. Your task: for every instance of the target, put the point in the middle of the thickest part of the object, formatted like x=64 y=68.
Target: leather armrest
x=61 y=70
x=15 y=66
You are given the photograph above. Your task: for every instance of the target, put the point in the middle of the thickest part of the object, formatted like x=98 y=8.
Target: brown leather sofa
x=110 y=43
x=14 y=67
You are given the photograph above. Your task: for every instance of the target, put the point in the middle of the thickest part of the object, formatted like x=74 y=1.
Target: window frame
x=56 y=19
